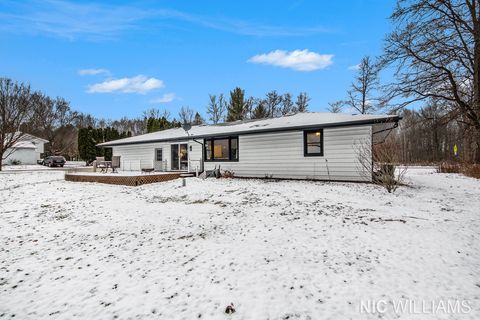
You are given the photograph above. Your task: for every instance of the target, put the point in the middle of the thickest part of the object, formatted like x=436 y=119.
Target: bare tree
x=15 y=110
x=186 y=114
x=366 y=82
x=336 y=107
x=301 y=105
x=53 y=120
x=435 y=48
x=216 y=108
x=381 y=163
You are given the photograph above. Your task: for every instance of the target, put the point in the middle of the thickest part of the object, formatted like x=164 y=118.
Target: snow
x=275 y=249
x=236 y=127
x=38 y=167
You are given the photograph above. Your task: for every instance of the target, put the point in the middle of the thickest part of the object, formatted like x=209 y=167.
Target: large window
x=221 y=149
x=313 y=142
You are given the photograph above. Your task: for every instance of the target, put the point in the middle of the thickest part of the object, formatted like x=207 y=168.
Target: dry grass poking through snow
x=276 y=250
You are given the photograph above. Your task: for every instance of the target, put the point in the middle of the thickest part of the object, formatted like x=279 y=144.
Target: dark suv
x=54 y=161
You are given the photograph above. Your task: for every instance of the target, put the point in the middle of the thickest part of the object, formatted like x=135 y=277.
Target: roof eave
x=304 y=127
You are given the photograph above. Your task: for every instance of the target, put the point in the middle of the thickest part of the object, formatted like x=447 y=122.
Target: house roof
x=28 y=137
x=297 y=121
x=24 y=145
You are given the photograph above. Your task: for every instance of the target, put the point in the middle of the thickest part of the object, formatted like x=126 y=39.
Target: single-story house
x=27 y=150
x=311 y=145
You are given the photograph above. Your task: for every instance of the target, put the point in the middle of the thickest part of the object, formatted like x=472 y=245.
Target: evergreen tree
x=287 y=104
x=302 y=102
x=236 y=105
x=260 y=111
x=198 y=120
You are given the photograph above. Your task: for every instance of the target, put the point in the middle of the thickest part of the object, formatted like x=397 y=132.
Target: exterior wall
x=136 y=156
x=281 y=155
x=25 y=156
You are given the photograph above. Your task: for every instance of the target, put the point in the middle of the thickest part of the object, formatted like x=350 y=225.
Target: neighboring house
x=27 y=151
x=312 y=145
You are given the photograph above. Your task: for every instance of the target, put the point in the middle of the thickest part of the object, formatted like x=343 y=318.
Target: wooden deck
x=127 y=180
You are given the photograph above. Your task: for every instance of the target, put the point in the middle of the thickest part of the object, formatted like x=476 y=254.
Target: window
x=313 y=143
x=158 y=155
x=221 y=149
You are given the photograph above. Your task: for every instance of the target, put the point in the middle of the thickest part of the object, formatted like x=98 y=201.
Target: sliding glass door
x=179 y=156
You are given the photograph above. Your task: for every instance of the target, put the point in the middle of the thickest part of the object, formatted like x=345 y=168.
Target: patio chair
x=115 y=163
x=100 y=163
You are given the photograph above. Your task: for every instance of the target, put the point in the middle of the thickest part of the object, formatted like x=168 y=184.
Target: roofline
x=247 y=132
x=24 y=134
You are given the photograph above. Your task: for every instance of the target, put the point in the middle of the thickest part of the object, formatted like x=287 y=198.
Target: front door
x=180 y=156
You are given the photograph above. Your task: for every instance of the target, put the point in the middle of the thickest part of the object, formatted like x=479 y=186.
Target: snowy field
x=276 y=250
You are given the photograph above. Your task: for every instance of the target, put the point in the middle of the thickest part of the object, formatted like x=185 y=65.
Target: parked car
x=40 y=161
x=54 y=161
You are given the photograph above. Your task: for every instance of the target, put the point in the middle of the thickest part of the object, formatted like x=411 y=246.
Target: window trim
x=156 y=154
x=305 y=147
x=212 y=142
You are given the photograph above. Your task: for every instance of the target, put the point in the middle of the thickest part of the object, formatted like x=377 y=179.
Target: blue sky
x=119 y=58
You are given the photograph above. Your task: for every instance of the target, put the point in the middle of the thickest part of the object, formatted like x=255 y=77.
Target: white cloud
x=92 y=72
x=354 y=67
x=300 y=60
x=167 y=97
x=137 y=84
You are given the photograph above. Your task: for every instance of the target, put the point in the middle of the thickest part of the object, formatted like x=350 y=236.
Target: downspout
x=201 y=159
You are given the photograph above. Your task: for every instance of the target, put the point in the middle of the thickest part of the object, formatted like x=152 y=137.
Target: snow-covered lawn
x=38 y=167
x=275 y=249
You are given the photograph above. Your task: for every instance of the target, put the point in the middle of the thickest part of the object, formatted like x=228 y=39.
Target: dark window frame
x=211 y=141
x=156 y=153
x=305 y=146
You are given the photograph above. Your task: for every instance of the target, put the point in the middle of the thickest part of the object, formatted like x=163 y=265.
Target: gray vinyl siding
x=277 y=154
x=281 y=155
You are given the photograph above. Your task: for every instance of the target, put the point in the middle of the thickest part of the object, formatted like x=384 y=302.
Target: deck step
x=187 y=175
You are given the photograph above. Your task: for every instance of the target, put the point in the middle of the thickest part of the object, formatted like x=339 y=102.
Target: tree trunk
x=476 y=80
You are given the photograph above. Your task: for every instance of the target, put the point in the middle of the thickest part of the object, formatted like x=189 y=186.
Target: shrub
x=228 y=174
x=446 y=167
x=468 y=169
x=472 y=170
x=385 y=158
x=15 y=162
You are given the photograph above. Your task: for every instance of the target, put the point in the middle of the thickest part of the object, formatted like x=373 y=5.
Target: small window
x=313 y=143
x=159 y=154
x=221 y=149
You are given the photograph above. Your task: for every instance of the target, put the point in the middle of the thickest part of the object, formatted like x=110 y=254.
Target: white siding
x=281 y=155
x=136 y=156
x=278 y=154
x=25 y=156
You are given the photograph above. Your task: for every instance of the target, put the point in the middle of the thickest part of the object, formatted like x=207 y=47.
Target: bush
x=228 y=174
x=15 y=162
x=384 y=159
x=472 y=170
x=468 y=169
